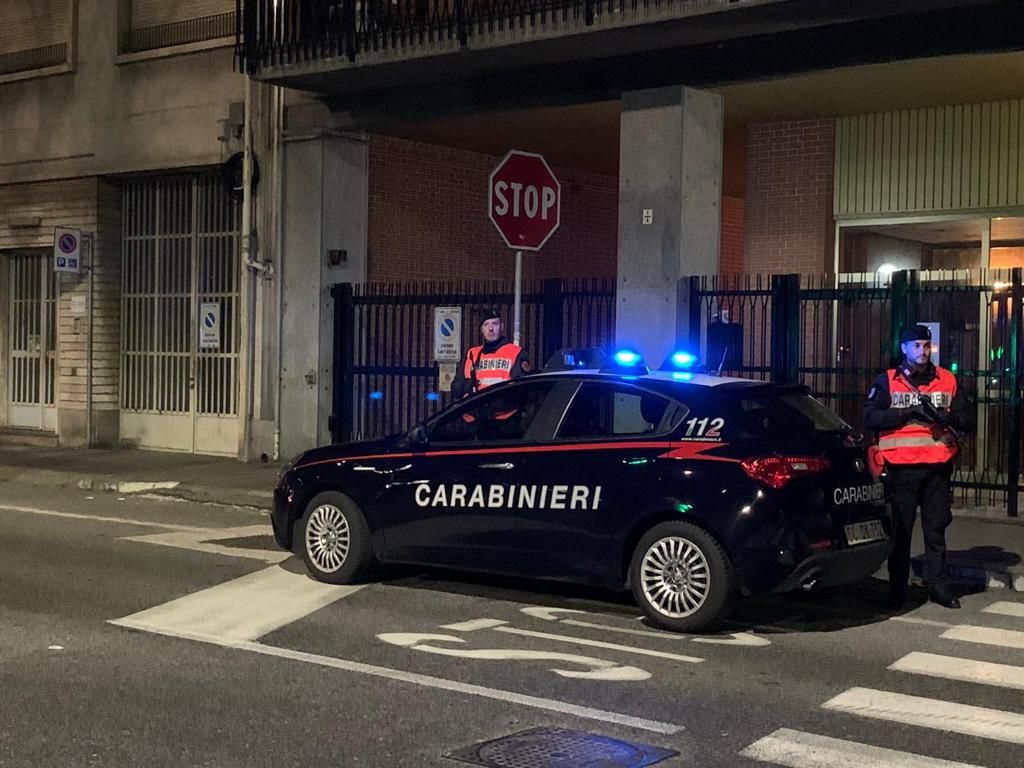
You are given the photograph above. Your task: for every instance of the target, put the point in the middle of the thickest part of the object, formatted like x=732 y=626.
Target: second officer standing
x=497 y=359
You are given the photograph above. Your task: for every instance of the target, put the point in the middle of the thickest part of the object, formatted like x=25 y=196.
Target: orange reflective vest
x=484 y=369
x=916 y=443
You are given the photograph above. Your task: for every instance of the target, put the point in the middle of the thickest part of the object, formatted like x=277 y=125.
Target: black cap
x=489 y=314
x=915 y=333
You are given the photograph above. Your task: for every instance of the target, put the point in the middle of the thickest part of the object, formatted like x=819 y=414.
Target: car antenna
x=722 y=362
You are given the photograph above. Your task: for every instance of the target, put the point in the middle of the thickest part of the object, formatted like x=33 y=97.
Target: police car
x=686 y=487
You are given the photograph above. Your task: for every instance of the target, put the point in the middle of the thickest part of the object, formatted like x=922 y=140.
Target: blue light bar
x=377 y=395
x=683 y=359
x=626 y=357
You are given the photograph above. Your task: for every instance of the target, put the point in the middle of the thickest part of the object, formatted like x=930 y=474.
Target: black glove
x=943 y=418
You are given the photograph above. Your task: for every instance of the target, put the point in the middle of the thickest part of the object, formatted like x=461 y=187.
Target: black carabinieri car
x=689 y=488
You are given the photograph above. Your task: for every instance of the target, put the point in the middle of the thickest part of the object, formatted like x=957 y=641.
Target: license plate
x=870 y=530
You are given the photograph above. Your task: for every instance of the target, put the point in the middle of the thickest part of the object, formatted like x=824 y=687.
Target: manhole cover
x=560 y=748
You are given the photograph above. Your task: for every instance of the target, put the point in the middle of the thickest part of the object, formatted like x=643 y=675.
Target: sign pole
x=519 y=296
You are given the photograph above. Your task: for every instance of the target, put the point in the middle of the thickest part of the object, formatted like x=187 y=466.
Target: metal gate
x=385 y=379
x=180 y=259
x=835 y=334
x=32 y=345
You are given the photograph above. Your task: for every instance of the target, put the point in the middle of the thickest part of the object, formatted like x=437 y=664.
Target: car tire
x=334 y=540
x=681 y=577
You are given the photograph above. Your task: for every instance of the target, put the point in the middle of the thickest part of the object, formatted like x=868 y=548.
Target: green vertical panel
x=948 y=155
x=922 y=158
x=989 y=117
x=976 y=175
x=901 y=200
x=848 y=164
x=927 y=201
x=999 y=164
x=1020 y=153
x=887 y=155
x=879 y=202
x=960 y=138
x=858 y=167
x=1012 y=151
x=911 y=150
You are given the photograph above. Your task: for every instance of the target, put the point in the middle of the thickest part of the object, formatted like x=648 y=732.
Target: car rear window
x=786 y=414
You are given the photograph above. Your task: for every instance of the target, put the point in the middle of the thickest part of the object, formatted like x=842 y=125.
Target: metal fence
x=273 y=32
x=385 y=378
x=33 y=58
x=836 y=333
x=179 y=33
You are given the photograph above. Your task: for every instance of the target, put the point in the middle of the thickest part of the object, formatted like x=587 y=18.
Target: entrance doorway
x=32 y=341
x=179 y=315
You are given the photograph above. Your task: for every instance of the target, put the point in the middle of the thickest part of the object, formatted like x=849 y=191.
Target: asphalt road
x=137 y=631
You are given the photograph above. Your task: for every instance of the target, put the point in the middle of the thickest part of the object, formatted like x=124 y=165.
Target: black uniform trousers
x=927 y=486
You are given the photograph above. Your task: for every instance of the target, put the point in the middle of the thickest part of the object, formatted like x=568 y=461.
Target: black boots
x=940 y=594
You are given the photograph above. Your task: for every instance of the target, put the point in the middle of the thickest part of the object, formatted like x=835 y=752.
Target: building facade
x=691 y=137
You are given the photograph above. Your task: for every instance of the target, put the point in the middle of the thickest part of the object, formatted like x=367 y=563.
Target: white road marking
x=931 y=713
x=600 y=669
x=102 y=519
x=742 y=639
x=807 y=750
x=966 y=670
x=205 y=541
x=599 y=644
x=427 y=681
x=1005 y=638
x=924 y=622
x=1005 y=608
x=548 y=614
x=228 y=611
x=474 y=624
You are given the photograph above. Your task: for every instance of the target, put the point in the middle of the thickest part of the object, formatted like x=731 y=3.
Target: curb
x=172 y=489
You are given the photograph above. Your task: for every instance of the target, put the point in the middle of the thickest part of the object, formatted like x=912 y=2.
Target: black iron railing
x=33 y=58
x=836 y=336
x=179 y=33
x=276 y=32
x=385 y=377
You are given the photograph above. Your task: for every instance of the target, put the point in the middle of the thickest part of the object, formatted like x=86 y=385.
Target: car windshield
x=771 y=415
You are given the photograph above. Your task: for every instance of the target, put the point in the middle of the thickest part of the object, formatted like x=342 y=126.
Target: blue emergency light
x=626 y=361
x=681 y=361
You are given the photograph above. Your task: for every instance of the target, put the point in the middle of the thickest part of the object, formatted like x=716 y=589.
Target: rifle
x=931 y=412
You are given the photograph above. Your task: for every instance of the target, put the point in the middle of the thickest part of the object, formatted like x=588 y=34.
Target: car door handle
x=503 y=465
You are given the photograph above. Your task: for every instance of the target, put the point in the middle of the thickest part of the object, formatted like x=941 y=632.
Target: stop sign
x=524 y=200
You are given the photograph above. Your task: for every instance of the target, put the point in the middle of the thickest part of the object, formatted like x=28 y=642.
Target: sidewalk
x=986 y=549
x=184 y=476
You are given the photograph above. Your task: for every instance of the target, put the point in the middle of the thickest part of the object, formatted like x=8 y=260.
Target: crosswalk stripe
x=808 y=750
x=227 y=610
x=1005 y=608
x=931 y=713
x=966 y=670
x=1006 y=638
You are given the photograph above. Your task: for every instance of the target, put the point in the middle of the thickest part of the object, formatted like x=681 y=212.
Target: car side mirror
x=419 y=436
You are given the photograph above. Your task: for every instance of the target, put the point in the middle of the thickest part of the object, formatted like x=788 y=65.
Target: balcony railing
x=179 y=33
x=33 y=59
x=279 y=32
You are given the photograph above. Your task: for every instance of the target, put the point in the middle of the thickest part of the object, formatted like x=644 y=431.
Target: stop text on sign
x=531 y=199
x=524 y=200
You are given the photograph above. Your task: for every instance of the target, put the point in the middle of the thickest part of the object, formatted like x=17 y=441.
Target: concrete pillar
x=326 y=208
x=670 y=187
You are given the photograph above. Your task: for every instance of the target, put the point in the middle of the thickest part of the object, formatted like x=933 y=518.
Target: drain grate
x=560 y=748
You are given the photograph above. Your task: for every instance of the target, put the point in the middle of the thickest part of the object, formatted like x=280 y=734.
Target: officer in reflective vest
x=492 y=362
x=919 y=413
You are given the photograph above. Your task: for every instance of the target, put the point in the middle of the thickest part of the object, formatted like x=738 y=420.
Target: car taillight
x=776 y=471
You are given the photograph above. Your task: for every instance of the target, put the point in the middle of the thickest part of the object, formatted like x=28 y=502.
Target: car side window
x=603 y=410
x=505 y=414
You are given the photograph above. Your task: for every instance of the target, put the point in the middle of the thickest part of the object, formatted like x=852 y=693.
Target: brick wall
x=788 y=214
x=428 y=219
x=731 y=249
